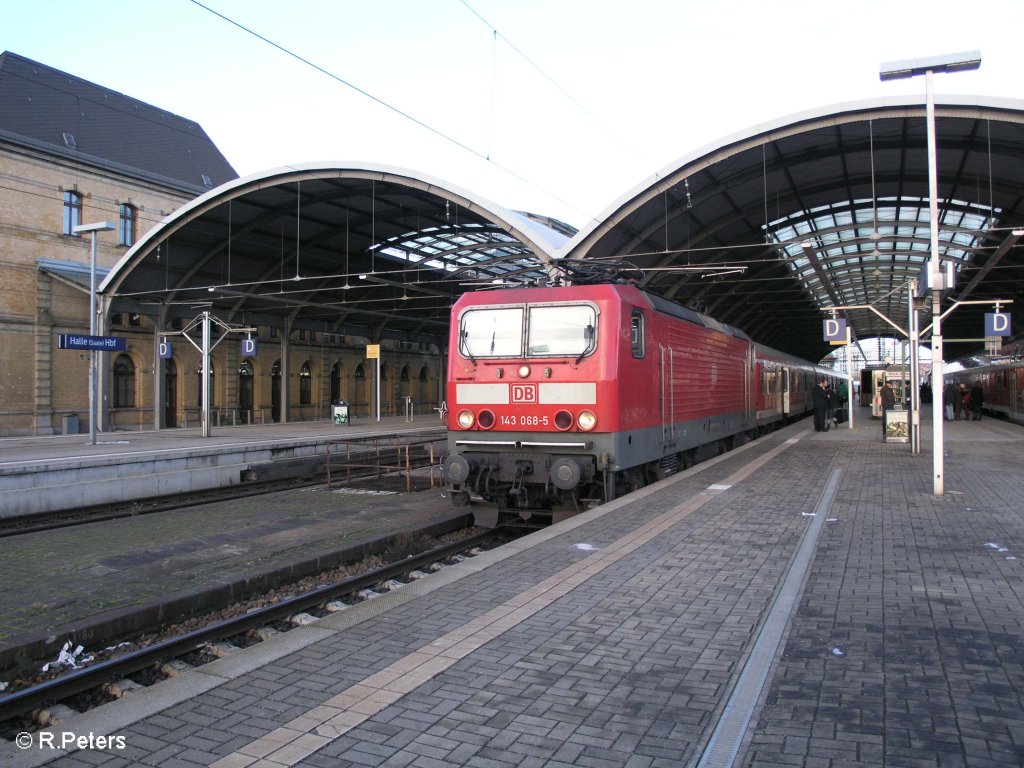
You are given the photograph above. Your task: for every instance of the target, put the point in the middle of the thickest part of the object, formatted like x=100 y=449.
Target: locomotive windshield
x=492 y=332
x=562 y=330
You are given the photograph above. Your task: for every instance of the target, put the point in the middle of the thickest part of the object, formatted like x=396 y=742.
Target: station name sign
x=91 y=343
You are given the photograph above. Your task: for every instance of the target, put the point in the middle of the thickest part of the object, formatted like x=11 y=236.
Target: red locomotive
x=560 y=397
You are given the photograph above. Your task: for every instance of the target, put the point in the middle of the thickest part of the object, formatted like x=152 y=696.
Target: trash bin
x=70 y=423
x=339 y=412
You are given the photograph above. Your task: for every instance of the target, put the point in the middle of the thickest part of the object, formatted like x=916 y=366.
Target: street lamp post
x=102 y=226
x=898 y=70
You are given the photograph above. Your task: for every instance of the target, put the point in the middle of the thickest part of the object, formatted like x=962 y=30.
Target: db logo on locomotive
x=524 y=393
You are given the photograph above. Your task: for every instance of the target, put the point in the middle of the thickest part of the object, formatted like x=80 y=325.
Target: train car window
x=563 y=330
x=492 y=332
x=636 y=332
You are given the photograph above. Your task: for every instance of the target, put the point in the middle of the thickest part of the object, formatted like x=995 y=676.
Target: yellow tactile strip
x=304 y=735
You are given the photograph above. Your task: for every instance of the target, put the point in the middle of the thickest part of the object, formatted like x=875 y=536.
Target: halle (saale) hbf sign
x=91 y=343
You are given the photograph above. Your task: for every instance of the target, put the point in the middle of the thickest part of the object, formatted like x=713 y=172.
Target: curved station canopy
x=765 y=231
x=768 y=229
x=368 y=251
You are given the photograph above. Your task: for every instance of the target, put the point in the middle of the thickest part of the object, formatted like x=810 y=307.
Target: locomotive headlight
x=466 y=419
x=563 y=420
x=524 y=371
x=485 y=419
x=587 y=420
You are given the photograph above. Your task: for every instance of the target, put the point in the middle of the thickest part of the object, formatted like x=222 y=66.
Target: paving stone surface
x=905 y=647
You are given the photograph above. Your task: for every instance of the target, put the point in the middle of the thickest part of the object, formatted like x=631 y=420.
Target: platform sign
x=166 y=350
x=91 y=343
x=835 y=330
x=248 y=348
x=373 y=351
x=997 y=324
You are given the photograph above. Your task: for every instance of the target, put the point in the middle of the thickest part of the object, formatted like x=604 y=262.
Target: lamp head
x=951 y=62
x=99 y=226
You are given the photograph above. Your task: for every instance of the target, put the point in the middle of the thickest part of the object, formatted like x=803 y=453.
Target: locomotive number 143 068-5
x=524 y=421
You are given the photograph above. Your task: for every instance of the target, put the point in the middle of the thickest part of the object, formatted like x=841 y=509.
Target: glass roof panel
x=856 y=239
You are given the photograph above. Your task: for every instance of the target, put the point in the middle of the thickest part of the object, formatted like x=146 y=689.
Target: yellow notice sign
x=373 y=351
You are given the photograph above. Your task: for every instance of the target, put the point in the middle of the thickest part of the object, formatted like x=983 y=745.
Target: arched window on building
x=305 y=385
x=170 y=393
x=337 y=374
x=275 y=391
x=424 y=394
x=124 y=382
x=245 y=391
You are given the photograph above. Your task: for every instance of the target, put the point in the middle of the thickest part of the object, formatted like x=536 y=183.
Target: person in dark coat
x=977 y=398
x=830 y=410
x=949 y=395
x=819 y=399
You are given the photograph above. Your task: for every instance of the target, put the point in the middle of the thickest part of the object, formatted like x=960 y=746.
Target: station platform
x=805 y=600
x=45 y=474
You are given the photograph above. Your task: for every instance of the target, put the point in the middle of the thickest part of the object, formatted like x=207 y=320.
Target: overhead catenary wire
x=561 y=89
x=392 y=108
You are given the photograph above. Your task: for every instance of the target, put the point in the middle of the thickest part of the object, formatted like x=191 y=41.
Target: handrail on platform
x=345 y=455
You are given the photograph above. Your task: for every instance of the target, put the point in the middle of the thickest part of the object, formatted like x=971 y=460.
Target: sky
x=558 y=107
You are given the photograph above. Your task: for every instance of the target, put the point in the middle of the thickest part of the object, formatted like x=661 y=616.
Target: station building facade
x=73 y=153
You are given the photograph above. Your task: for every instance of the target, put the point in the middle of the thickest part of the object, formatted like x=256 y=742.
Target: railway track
x=20 y=710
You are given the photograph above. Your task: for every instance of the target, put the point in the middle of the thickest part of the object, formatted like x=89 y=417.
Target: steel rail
x=88 y=678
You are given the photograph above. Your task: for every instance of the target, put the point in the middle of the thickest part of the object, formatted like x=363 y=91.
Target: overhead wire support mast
x=205 y=348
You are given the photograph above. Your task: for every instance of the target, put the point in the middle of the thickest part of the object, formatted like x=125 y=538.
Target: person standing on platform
x=819 y=399
x=958 y=402
x=977 y=398
x=949 y=400
x=888 y=401
x=830 y=408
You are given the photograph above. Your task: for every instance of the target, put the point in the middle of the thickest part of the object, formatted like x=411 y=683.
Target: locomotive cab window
x=636 y=332
x=566 y=330
x=543 y=330
x=492 y=332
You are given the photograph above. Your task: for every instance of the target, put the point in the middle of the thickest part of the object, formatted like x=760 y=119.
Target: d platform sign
x=997 y=324
x=835 y=330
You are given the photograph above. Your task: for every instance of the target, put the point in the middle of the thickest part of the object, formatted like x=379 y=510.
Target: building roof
x=764 y=230
x=767 y=228
x=349 y=249
x=50 y=110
